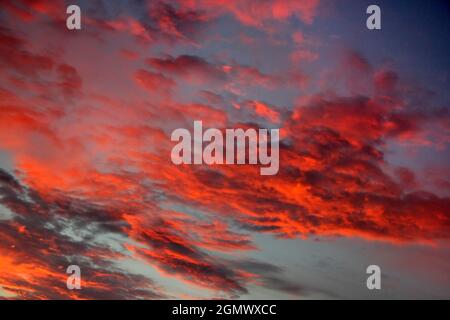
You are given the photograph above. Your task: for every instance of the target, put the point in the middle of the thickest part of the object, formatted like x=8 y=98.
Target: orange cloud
x=100 y=164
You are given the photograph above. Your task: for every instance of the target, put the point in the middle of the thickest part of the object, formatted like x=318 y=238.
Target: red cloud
x=265 y=111
x=154 y=81
x=101 y=165
x=189 y=67
x=254 y=12
x=197 y=70
x=27 y=10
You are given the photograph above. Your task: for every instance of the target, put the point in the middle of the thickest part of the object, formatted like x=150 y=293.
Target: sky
x=86 y=176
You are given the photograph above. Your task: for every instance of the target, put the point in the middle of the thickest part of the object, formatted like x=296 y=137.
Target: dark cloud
x=188 y=66
x=37 y=248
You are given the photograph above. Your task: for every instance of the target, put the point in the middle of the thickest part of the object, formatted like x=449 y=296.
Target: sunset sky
x=85 y=171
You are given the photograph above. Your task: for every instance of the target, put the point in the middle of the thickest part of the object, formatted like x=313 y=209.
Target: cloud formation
x=92 y=182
